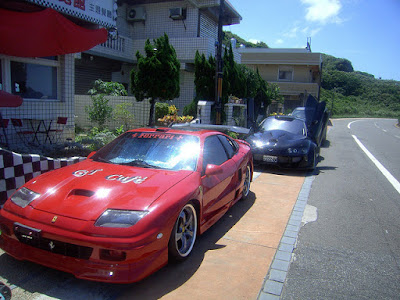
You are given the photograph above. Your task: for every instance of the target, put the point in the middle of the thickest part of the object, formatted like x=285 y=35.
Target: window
x=152 y=150
x=230 y=146
x=214 y=152
x=285 y=74
x=32 y=78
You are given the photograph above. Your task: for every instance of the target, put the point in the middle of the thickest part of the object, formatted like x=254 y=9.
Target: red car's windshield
x=152 y=150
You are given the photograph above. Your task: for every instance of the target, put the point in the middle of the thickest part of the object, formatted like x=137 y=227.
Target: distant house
x=297 y=72
x=190 y=25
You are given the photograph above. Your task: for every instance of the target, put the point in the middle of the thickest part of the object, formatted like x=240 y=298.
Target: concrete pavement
x=243 y=256
x=231 y=260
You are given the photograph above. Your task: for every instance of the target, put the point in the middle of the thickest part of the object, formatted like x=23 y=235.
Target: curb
x=273 y=283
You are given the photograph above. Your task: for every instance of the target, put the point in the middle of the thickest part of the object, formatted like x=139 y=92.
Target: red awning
x=9 y=100
x=44 y=33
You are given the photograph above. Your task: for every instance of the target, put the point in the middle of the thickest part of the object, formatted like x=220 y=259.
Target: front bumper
x=142 y=259
x=284 y=161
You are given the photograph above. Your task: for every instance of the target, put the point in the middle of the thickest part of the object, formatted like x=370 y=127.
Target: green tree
x=233 y=80
x=229 y=35
x=238 y=80
x=100 y=111
x=157 y=75
x=204 y=76
x=265 y=93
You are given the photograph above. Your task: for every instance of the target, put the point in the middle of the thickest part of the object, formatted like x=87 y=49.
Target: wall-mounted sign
x=102 y=12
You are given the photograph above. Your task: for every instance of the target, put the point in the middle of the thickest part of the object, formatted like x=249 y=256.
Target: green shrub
x=162 y=109
x=191 y=109
x=123 y=115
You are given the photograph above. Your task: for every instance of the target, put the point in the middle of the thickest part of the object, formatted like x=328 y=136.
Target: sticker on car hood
x=118 y=177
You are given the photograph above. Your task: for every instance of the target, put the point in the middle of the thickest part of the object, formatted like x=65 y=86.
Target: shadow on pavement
x=278 y=171
x=35 y=278
x=176 y=274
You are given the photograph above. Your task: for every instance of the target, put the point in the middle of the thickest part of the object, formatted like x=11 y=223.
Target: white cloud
x=311 y=32
x=323 y=11
x=292 y=33
x=279 y=42
x=314 y=31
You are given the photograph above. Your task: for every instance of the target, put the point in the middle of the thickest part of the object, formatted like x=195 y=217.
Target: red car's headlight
x=119 y=218
x=23 y=197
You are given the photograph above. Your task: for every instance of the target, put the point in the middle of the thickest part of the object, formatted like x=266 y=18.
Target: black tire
x=247 y=182
x=5 y=292
x=183 y=235
x=313 y=163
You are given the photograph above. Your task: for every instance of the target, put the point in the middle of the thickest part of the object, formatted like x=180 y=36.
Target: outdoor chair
x=23 y=131
x=56 y=132
x=3 y=134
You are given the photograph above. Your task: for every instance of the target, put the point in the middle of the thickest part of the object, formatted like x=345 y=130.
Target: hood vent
x=81 y=192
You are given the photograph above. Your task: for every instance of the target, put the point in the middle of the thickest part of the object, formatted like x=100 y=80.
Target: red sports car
x=122 y=213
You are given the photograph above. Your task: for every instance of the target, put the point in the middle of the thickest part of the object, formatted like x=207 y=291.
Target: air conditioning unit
x=177 y=13
x=135 y=14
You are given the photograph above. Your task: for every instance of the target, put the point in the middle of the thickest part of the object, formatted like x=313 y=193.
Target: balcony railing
x=117 y=44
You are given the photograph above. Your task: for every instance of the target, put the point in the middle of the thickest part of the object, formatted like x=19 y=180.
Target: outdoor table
x=40 y=126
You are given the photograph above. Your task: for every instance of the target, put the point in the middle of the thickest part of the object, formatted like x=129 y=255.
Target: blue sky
x=366 y=32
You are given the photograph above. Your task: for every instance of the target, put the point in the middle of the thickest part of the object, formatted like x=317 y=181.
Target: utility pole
x=219 y=67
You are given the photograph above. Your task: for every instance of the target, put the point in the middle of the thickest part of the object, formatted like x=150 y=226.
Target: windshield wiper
x=101 y=159
x=140 y=163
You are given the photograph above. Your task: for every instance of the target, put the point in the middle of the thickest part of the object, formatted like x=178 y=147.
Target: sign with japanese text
x=102 y=12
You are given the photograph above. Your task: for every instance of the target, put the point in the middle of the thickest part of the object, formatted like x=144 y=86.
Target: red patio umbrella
x=8 y=100
x=44 y=33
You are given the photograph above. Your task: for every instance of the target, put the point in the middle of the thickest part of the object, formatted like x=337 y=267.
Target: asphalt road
x=352 y=250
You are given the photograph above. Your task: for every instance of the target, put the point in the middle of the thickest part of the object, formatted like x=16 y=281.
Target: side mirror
x=213 y=170
x=91 y=154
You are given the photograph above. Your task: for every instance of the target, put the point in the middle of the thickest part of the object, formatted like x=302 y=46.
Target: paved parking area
x=230 y=261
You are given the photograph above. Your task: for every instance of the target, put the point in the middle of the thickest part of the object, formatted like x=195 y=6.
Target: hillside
x=357 y=94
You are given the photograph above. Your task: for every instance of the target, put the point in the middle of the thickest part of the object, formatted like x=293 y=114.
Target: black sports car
x=288 y=141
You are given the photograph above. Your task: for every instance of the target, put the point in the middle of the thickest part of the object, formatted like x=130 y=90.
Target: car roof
x=184 y=130
x=284 y=118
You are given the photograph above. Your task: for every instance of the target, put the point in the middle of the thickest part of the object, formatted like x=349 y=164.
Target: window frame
x=285 y=69
x=5 y=69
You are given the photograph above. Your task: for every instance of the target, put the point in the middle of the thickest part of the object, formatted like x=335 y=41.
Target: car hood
x=273 y=138
x=85 y=190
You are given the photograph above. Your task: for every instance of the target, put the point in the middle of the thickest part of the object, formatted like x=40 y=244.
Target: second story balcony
x=124 y=48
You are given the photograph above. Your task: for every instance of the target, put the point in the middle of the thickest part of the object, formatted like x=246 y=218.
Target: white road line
x=348 y=125
x=380 y=167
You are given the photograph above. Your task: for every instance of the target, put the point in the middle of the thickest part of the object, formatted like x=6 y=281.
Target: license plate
x=26 y=234
x=269 y=158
